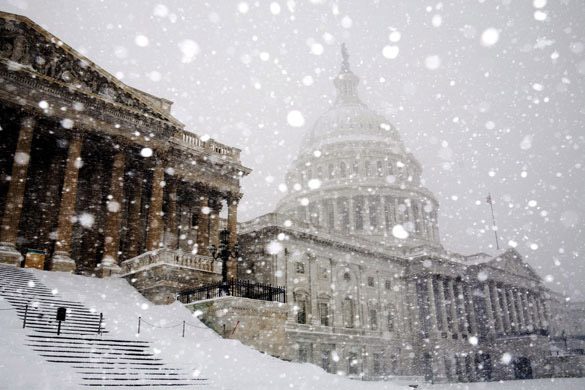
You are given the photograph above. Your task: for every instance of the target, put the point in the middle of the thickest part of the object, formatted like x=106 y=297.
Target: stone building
x=373 y=292
x=99 y=176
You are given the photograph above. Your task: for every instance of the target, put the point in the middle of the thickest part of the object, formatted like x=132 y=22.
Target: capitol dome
x=354 y=177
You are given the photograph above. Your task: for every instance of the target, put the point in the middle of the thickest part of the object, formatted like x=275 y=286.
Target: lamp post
x=224 y=252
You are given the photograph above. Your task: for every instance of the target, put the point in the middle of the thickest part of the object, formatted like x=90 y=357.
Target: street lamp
x=224 y=252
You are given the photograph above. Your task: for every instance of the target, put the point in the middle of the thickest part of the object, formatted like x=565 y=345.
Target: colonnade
x=514 y=310
x=143 y=221
x=373 y=214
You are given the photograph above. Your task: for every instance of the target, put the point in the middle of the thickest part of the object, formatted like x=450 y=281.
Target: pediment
x=512 y=262
x=26 y=44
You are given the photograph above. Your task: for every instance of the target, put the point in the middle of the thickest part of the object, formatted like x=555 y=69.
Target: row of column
x=451 y=306
x=377 y=214
x=208 y=221
x=513 y=310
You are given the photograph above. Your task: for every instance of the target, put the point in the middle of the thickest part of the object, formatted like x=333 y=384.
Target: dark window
x=373 y=319
x=300 y=268
x=371 y=281
x=388 y=285
x=324 y=313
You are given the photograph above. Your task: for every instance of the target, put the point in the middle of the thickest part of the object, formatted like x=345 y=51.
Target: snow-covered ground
x=227 y=363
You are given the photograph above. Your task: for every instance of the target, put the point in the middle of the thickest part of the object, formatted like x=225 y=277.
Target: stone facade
x=100 y=176
x=260 y=324
x=373 y=292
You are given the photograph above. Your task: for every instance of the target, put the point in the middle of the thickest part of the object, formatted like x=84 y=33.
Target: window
x=324 y=273
x=373 y=319
x=359 y=213
x=331 y=171
x=326 y=360
x=304 y=353
x=346 y=277
x=324 y=313
x=348 y=316
x=353 y=363
x=390 y=319
x=302 y=310
x=388 y=285
x=356 y=168
x=371 y=281
x=300 y=267
x=342 y=169
x=378 y=364
x=379 y=168
x=368 y=168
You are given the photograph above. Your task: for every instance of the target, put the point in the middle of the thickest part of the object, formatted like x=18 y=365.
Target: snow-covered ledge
x=170 y=257
x=160 y=274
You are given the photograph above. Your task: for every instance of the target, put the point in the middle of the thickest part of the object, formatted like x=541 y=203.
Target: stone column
x=15 y=195
x=463 y=308
x=507 y=325
x=214 y=222
x=512 y=307
x=489 y=308
x=442 y=305
x=383 y=214
x=497 y=308
x=203 y=225
x=527 y=315
x=468 y=296
x=155 y=213
x=350 y=211
x=109 y=263
x=62 y=260
x=366 y=214
x=232 y=223
x=432 y=304
x=171 y=233
x=521 y=320
x=541 y=316
x=335 y=211
x=135 y=225
x=533 y=310
x=451 y=292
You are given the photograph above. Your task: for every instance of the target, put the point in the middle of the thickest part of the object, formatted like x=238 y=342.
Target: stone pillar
x=526 y=310
x=452 y=298
x=350 y=211
x=489 y=308
x=15 y=195
x=541 y=316
x=442 y=305
x=520 y=311
x=507 y=325
x=432 y=304
x=109 y=263
x=497 y=308
x=335 y=211
x=135 y=225
x=203 y=225
x=366 y=214
x=155 y=221
x=513 y=312
x=468 y=296
x=62 y=260
x=214 y=222
x=171 y=233
x=533 y=310
x=383 y=215
x=232 y=223
x=313 y=275
x=463 y=308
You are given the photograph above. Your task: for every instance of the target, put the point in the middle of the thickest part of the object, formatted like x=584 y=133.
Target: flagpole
x=489 y=200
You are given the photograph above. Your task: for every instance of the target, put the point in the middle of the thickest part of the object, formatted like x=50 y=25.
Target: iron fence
x=236 y=288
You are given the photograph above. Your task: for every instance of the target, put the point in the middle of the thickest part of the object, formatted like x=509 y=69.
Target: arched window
x=320 y=173
x=331 y=171
x=368 y=168
x=348 y=313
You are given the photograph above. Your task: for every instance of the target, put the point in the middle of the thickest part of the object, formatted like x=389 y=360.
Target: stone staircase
x=101 y=361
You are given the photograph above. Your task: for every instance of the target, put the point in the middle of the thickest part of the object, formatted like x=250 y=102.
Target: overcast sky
x=488 y=95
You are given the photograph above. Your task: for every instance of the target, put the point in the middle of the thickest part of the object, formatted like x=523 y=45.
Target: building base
x=107 y=270
x=9 y=254
x=62 y=262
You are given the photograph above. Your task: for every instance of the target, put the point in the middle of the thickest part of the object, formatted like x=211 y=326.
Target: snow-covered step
x=100 y=361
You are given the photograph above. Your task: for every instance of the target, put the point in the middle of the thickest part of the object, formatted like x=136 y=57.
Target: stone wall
x=259 y=324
